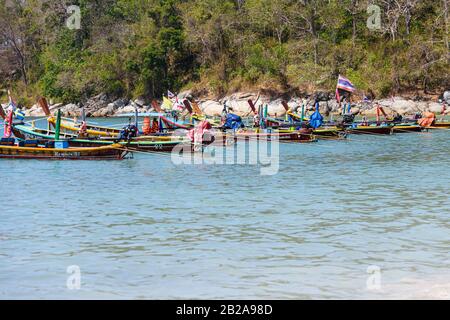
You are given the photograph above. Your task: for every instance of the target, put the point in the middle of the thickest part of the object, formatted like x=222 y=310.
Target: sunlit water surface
x=146 y=228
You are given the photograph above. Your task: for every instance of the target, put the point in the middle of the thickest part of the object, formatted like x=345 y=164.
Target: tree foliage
x=145 y=47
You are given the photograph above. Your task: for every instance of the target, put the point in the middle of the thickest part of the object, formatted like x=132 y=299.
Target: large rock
x=185 y=94
x=54 y=107
x=211 y=108
x=140 y=102
x=96 y=103
x=434 y=107
x=127 y=109
x=371 y=111
x=447 y=97
x=101 y=106
x=34 y=111
x=109 y=110
x=239 y=107
x=275 y=108
x=71 y=110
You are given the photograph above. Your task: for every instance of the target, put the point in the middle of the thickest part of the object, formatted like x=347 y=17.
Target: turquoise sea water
x=146 y=228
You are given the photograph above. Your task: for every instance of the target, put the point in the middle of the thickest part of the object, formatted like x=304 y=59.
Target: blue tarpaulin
x=233 y=122
x=316 y=119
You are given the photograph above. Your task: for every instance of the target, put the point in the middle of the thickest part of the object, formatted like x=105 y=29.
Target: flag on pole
x=345 y=84
x=167 y=104
x=170 y=95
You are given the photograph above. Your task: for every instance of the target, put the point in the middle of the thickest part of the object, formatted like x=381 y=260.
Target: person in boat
x=364 y=121
x=428 y=119
x=256 y=120
x=175 y=115
x=146 y=126
x=155 y=126
x=82 y=133
x=398 y=118
x=347 y=119
x=223 y=115
x=128 y=132
x=224 y=110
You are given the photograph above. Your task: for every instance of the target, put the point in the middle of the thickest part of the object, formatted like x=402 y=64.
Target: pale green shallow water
x=145 y=228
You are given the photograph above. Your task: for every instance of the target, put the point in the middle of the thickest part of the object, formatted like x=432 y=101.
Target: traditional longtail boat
x=165 y=123
x=440 y=125
x=72 y=129
x=91 y=130
x=28 y=132
x=429 y=121
x=25 y=131
x=57 y=149
x=288 y=127
x=388 y=129
x=325 y=133
x=111 y=152
x=72 y=126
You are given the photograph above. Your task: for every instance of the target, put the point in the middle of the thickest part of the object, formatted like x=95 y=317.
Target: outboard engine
x=128 y=132
x=348 y=118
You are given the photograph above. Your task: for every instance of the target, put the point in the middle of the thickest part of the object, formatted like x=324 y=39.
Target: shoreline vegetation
x=136 y=50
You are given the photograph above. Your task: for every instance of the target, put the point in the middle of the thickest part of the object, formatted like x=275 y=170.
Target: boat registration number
x=67 y=154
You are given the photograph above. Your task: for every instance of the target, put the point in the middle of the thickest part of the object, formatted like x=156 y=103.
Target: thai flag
x=173 y=97
x=170 y=95
x=345 y=84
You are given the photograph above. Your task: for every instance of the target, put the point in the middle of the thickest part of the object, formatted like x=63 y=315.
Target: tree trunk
x=353 y=22
x=445 y=2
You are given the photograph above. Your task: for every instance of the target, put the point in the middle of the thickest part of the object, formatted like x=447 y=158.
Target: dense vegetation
x=144 y=47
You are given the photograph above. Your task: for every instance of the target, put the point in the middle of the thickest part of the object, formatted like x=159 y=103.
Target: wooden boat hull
x=144 y=146
x=92 y=130
x=406 y=128
x=289 y=136
x=441 y=125
x=28 y=132
x=324 y=133
x=370 y=130
x=330 y=134
x=112 y=152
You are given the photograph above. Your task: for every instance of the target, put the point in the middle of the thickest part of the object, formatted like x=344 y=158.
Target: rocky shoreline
x=102 y=106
